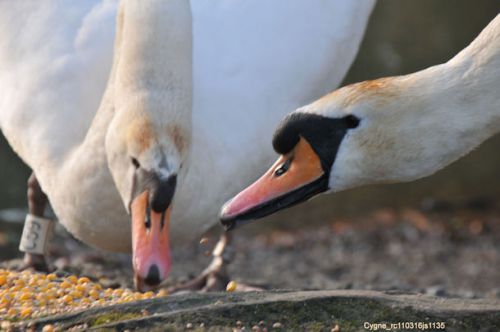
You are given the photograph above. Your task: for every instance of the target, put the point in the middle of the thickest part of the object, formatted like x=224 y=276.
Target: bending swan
x=393 y=129
x=132 y=151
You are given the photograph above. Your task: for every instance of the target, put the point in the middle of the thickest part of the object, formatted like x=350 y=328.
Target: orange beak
x=294 y=178
x=150 y=243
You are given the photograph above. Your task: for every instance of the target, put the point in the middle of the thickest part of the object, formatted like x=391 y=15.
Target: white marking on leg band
x=36 y=233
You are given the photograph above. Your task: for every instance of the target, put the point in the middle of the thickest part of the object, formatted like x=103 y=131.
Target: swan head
x=352 y=137
x=145 y=156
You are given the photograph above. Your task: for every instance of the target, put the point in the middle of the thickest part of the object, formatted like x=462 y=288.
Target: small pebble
x=436 y=291
x=336 y=328
x=189 y=326
x=48 y=328
x=5 y=325
x=277 y=325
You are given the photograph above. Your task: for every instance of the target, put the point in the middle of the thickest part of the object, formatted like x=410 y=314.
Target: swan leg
x=214 y=277
x=37 y=201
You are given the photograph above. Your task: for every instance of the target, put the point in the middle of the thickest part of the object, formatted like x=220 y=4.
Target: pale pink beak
x=150 y=244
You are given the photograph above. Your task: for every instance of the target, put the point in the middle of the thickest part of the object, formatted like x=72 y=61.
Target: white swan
x=250 y=66
x=393 y=129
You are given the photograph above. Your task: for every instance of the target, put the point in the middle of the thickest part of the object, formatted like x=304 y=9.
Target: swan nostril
x=153 y=277
x=147 y=220
x=135 y=162
x=283 y=168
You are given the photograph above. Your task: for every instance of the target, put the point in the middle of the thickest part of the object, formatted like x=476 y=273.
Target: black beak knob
x=162 y=192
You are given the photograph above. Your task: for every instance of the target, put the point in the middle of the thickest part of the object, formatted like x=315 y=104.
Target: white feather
x=254 y=61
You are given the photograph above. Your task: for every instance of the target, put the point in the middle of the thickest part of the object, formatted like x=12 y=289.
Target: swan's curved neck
x=451 y=108
x=153 y=71
x=467 y=86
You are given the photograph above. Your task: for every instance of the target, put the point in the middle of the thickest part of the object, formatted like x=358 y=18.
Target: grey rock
x=299 y=310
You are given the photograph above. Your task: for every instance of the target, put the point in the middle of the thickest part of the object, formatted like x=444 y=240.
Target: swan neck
x=463 y=91
x=153 y=71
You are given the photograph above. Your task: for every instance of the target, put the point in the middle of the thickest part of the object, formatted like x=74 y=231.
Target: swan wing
x=55 y=57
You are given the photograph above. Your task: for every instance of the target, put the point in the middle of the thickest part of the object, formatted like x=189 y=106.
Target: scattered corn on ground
x=26 y=294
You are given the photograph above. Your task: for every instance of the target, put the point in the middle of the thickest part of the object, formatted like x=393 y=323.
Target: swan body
x=393 y=129
x=253 y=61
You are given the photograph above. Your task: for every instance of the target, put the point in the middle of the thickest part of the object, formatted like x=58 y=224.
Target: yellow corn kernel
x=25 y=312
x=67 y=298
x=148 y=295
x=16 y=288
x=83 y=280
x=161 y=293
x=118 y=292
x=126 y=299
x=12 y=312
x=19 y=282
x=127 y=293
x=73 y=279
x=85 y=301
x=51 y=276
x=25 y=296
x=65 y=284
x=3 y=280
x=94 y=294
x=76 y=294
x=231 y=286
x=81 y=288
x=51 y=294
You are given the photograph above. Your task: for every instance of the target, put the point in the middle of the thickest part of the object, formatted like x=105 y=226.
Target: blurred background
x=422 y=235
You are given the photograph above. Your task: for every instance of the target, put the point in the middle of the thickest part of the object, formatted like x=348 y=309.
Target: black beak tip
x=228 y=223
x=233 y=222
x=153 y=277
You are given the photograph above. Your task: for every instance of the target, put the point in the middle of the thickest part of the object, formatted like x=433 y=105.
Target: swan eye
x=135 y=162
x=283 y=168
x=351 y=121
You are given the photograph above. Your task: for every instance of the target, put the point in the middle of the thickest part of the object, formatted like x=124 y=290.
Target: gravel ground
x=437 y=250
